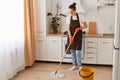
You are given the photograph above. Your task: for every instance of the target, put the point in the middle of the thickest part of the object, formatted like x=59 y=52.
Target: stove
x=67 y=58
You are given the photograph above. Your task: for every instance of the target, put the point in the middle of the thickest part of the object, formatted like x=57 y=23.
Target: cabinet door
x=40 y=16
x=105 y=51
x=91 y=43
x=90 y=56
x=90 y=50
x=54 y=48
x=40 y=48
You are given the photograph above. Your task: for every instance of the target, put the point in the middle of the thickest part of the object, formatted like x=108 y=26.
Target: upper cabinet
x=101 y=3
x=105 y=4
x=40 y=16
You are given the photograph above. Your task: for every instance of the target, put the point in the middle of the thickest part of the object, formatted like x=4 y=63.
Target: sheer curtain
x=11 y=38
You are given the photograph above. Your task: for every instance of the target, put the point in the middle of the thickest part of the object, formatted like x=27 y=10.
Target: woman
x=74 y=24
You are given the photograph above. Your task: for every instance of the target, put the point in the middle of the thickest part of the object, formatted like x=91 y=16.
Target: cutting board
x=92 y=28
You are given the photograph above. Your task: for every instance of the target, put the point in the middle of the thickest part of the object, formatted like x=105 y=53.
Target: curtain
x=29 y=32
x=12 y=58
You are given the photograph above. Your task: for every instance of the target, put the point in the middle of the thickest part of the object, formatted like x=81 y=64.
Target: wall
x=104 y=16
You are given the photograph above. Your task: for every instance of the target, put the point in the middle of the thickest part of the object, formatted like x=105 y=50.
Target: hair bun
x=74 y=4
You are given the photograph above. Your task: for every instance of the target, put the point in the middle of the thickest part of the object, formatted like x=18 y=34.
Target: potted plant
x=54 y=22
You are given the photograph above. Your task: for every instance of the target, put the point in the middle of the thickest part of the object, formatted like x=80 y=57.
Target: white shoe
x=73 y=68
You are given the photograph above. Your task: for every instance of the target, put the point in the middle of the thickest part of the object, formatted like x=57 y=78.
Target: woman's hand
x=85 y=24
x=70 y=39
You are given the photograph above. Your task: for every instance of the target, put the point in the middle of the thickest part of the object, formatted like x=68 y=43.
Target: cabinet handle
x=40 y=31
x=53 y=41
x=90 y=53
x=90 y=57
x=91 y=47
x=39 y=40
x=91 y=42
x=105 y=42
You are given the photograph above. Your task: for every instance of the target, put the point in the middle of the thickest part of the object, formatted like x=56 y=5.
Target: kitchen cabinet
x=54 y=48
x=40 y=29
x=41 y=48
x=105 y=51
x=40 y=16
x=98 y=51
x=103 y=3
x=90 y=52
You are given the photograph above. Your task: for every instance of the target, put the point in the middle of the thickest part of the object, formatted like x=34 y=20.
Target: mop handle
x=65 y=53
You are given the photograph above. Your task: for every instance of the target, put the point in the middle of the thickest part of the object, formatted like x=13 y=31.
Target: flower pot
x=55 y=31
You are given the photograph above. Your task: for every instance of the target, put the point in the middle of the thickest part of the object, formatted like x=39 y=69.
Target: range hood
x=66 y=3
x=79 y=7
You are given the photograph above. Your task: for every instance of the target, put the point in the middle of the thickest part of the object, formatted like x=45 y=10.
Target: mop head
x=57 y=75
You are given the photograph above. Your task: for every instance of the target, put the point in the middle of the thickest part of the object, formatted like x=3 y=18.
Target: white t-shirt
x=74 y=18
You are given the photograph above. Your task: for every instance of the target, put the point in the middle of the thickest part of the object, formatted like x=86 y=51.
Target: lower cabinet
x=90 y=52
x=105 y=51
x=48 y=48
x=98 y=51
x=41 y=48
x=54 y=48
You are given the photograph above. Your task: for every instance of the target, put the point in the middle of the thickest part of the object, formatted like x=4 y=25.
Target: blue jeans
x=76 y=57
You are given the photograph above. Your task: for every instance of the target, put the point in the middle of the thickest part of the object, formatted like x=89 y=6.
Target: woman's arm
x=83 y=22
x=68 y=28
x=84 y=25
x=69 y=34
x=68 y=25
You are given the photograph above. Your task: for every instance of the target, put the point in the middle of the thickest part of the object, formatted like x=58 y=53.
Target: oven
x=68 y=58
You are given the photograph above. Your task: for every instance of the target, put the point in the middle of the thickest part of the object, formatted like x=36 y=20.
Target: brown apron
x=77 y=42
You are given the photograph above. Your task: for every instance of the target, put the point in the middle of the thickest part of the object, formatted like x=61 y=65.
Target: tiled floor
x=41 y=71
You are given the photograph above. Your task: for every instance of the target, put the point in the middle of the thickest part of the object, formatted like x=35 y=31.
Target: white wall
x=104 y=16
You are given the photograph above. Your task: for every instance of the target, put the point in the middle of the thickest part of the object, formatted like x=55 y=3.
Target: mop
x=57 y=74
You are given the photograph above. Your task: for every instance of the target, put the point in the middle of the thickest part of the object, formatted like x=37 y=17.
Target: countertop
x=86 y=35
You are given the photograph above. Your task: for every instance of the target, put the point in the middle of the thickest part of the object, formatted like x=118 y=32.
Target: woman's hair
x=73 y=6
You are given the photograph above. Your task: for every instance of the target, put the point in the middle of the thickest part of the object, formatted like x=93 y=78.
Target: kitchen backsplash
x=103 y=16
